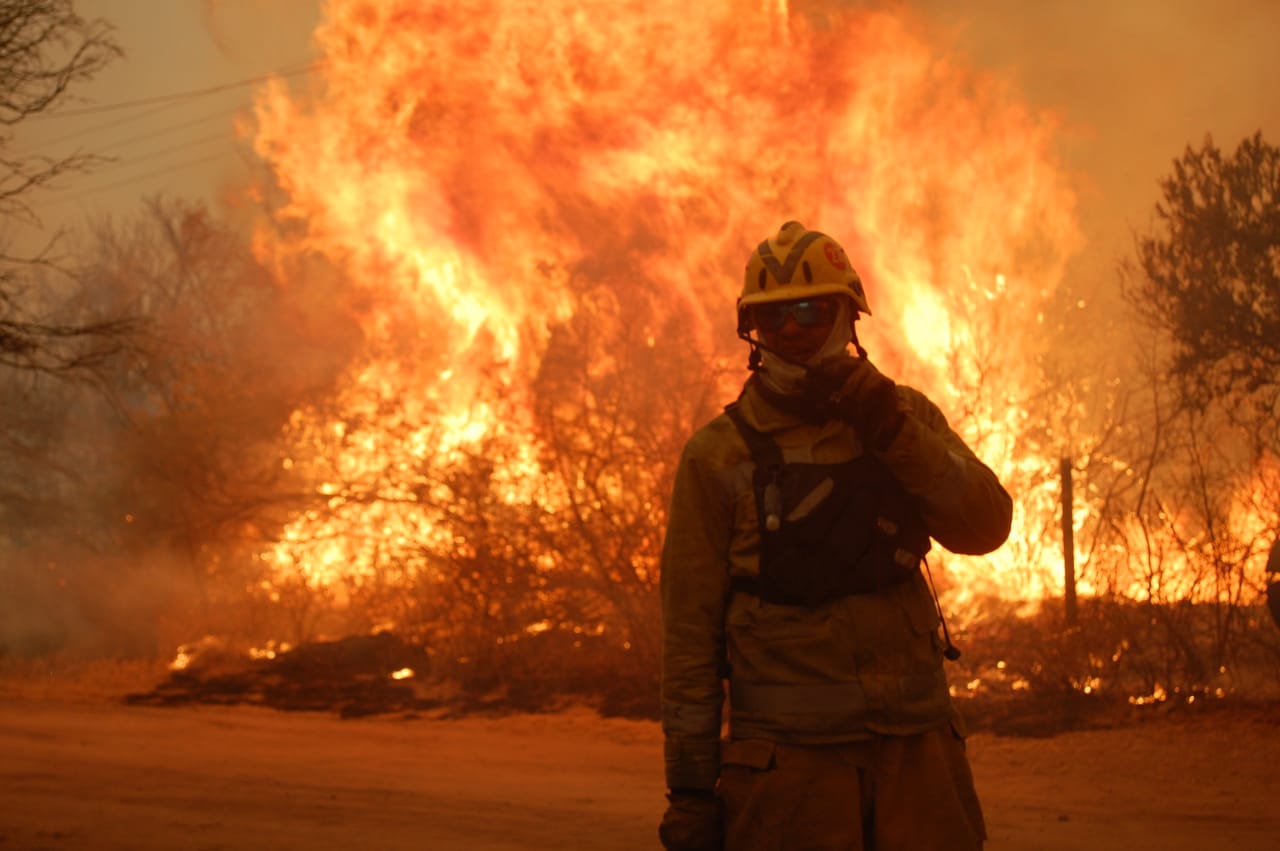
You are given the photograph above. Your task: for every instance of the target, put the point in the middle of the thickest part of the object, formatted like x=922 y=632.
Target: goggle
x=809 y=313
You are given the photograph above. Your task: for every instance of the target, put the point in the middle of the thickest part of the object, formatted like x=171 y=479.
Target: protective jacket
x=840 y=671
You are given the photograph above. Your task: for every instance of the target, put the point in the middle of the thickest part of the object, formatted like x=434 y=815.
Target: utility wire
x=175 y=97
x=146 y=156
x=115 y=165
x=165 y=131
x=128 y=164
x=98 y=128
x=156 y=104
x=163 y=103
x=79 y=195
x=125 y=163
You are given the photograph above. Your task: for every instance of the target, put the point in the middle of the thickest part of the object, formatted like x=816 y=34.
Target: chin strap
x=757 y=346
x=755 y=357
x=853 y=332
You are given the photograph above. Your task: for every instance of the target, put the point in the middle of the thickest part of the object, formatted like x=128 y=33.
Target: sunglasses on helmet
x=808 y=313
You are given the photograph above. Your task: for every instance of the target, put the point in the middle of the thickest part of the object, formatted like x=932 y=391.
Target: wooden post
x=1068 y=545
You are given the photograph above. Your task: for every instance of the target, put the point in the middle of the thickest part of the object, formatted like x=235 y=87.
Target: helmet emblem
x=835 y=255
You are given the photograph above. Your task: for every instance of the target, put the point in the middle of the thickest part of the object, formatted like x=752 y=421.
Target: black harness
x=828 y=530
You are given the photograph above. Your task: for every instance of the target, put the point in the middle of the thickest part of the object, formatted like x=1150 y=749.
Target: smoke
x=65 y=584
x=132 y=502
x=1133 y=84
x=261 y=30
x=72 y=604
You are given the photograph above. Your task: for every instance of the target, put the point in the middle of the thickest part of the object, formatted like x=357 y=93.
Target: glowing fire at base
x=485 y=173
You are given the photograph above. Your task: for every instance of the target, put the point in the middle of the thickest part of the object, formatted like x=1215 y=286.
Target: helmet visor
x=807 y=313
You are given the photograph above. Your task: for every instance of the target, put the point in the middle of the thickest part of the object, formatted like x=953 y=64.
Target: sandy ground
x=88 y=772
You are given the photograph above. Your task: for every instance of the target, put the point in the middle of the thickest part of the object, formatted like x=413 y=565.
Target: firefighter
x=791 y=573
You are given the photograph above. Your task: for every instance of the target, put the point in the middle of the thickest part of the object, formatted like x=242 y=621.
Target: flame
x=484 y=173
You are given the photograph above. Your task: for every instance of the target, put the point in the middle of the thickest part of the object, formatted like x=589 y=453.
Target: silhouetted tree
x=1209 y=273
x=1206 y=282
x=45 y=48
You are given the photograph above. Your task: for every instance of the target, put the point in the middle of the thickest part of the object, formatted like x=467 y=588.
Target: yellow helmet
x=798 y=263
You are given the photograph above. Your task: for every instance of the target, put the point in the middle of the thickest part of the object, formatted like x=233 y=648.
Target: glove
x=692 y=821
x=858 y=393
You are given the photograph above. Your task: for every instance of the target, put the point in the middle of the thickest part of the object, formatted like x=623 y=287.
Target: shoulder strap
x=768 y=459
x=763 y=450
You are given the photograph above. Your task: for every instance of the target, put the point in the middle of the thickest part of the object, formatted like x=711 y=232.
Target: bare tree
x=612 y=437
x=177 y=475
x=45 y=49
x=217 y=367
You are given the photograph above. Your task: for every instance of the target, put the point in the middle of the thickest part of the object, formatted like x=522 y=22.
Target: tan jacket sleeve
x=695 y=586
x=964 y=505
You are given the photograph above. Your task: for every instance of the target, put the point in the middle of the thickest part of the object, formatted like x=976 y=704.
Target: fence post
x=1068 y=545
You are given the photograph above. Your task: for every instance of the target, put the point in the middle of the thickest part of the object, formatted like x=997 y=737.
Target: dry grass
x=73 y=680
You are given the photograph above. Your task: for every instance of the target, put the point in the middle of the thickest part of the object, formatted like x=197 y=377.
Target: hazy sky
x=1132 y=81
x=165 y=112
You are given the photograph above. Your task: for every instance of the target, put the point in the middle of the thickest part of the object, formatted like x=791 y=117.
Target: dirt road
x=103 y=775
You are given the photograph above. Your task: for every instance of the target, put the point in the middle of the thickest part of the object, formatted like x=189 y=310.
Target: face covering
x=786 y=378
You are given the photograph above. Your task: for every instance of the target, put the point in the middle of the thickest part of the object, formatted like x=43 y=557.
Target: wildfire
x=493 y=178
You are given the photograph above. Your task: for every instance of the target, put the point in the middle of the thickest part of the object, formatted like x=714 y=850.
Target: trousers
x=890 y=793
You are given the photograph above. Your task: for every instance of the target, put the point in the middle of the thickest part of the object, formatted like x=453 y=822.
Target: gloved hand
x=692 y=822
x=858 y=393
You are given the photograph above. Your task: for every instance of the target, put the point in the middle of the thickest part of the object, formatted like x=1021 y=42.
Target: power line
x=79 y=195
x=175 y=97
x=155 y=104
x=97 y=128
x=145 y=156
x=150 y=106
x=148 y=158
x=133 y=162
x=166 y=130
